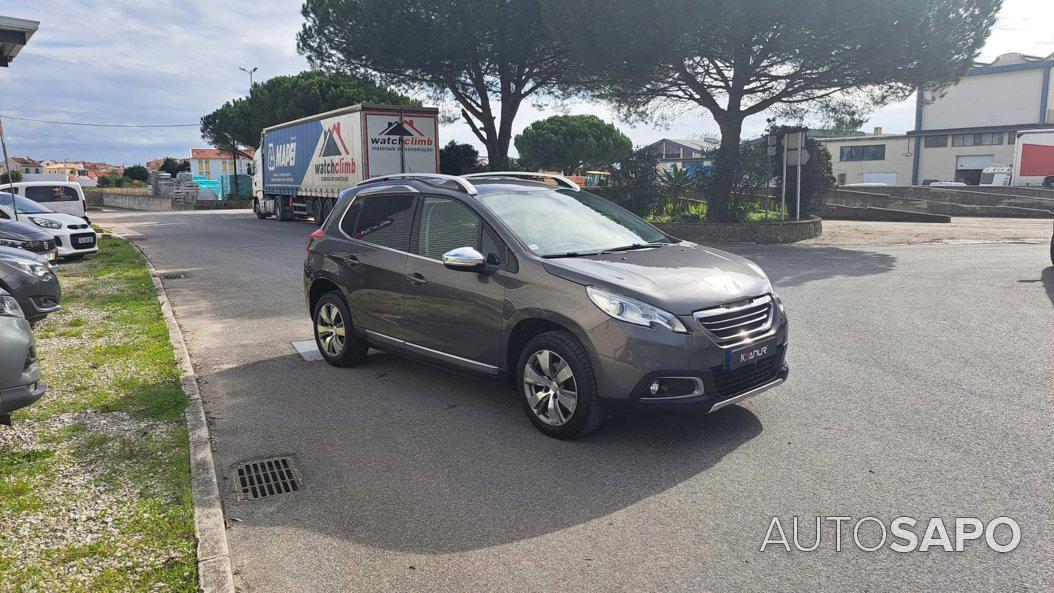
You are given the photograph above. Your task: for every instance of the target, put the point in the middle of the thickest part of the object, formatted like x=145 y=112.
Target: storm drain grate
x=266 y=477
x=172 y=276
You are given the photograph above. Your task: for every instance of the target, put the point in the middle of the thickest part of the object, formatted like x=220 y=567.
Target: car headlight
x=16 y=243
x=36 y=268
x=634 y=311
x=46 y=223
x=9 y=307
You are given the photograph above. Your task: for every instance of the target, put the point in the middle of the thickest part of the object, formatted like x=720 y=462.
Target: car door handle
x=416 y=279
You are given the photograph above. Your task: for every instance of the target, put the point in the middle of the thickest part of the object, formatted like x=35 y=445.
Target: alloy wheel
x=550 y=387
x=330 y=330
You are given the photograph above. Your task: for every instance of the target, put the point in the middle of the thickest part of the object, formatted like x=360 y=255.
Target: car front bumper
x=17 y=398
x=630 y=358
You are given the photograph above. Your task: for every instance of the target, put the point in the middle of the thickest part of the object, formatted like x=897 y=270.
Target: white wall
x=897 y=162
x=999 y=99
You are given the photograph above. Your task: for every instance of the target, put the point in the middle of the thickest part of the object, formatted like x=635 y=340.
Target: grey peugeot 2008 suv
x=574 y=300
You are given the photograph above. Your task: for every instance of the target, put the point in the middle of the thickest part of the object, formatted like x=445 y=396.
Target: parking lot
x=920 y=386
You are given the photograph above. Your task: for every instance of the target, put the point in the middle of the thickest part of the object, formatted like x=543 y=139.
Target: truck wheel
x=281 y=209
x=316 y=212
x=258 y=211
x=1049 y=182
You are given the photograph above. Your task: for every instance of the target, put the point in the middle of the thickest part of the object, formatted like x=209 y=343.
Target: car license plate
x=750 y=354
x=85 y=240
x=51 y=255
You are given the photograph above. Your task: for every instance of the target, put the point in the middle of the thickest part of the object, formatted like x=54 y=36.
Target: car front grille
x=737 y=322
x=39 y=246
x=76 y=227
x=732 y=383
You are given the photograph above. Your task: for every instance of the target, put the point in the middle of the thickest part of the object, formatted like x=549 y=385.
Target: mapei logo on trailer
x=402 y=132
x=281 y=155
x=333 y=152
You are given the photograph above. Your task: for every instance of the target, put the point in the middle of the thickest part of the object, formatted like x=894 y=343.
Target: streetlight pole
x=234 y=155
x=250 y=73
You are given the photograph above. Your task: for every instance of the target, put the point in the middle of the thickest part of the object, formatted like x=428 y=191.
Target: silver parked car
x=20 y=383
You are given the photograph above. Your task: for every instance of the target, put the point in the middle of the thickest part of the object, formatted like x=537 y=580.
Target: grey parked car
x=24 y=236
x=29 y=279
x=576 y=301
x=20 y=383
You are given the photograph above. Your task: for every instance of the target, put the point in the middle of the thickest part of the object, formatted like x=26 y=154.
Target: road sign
x=792 y=156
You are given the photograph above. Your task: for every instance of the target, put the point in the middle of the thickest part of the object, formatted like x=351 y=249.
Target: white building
x=684 y=152
x=957 y=134
x=210 y=163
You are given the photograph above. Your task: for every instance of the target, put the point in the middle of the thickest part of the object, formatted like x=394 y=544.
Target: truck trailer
x=303 y=165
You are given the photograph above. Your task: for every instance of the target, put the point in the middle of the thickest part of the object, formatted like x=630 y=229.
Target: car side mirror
x=464 y=259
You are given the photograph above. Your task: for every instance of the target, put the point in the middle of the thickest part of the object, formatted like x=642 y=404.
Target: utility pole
x=797 y=200
x=10 y=173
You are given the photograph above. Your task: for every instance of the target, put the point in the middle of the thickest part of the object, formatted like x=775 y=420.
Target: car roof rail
x=559 y=179
x=466 y=186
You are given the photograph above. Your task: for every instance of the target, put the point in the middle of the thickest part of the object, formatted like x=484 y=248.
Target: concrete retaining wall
x=158 y=204
x=839 y=212
x=880 y=198
x=754 y=232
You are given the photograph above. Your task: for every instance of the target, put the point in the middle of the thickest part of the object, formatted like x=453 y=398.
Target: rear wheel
x=557 y=387
x=333 y=332
x=317 y=212
x=282 y=212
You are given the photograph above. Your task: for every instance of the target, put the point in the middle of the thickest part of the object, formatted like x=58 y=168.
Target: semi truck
x=302 y=165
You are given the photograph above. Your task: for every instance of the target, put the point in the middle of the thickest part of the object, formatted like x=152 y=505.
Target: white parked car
x=66 y=197
x=74 y=237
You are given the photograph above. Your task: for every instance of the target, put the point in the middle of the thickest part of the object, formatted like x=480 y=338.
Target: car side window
x=386 y=220
x=448 y=224
x=51 y=193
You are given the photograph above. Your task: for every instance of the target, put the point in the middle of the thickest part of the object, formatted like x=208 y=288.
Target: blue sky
x=165 y=62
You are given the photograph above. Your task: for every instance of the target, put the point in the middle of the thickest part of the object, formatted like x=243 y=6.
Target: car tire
x=548 y=413
x=258 y=211
x=331 y=312
x=317 y=213
x=281 y=209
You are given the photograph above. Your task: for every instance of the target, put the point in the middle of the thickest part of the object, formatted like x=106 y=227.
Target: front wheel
x=557 y=387
x=333 y=332
x=258 y=211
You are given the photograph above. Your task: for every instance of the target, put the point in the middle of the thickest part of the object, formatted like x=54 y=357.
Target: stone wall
x=867 y=213
x=753 y=232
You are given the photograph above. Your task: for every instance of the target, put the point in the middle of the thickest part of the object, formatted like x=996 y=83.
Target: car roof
x=39 y=183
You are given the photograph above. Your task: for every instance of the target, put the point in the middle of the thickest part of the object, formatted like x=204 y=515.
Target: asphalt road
x=921 y=386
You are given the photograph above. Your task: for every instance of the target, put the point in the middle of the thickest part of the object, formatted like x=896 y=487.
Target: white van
x=66 y=197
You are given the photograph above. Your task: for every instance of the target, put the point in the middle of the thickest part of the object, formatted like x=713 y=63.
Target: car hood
x=57 y=217
x=22 y=231
x=681 y=278
x=14 y=252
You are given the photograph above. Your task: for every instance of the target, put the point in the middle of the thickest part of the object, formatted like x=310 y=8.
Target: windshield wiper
x=634 y=246
x=571 y=254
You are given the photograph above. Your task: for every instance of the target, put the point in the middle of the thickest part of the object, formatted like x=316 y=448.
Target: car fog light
x=654 y=389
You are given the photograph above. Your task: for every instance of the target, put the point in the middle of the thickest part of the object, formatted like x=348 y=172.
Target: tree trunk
x=727 y=168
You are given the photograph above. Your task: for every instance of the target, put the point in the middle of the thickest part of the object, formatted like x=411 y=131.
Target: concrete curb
x=214 y=561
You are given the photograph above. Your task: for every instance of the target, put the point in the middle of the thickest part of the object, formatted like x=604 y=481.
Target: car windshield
x=553 y=223
x=24 y=206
